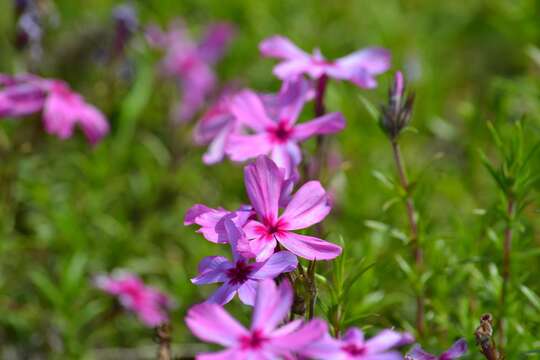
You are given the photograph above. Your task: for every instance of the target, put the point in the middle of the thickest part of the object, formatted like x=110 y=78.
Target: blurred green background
x=68 y=212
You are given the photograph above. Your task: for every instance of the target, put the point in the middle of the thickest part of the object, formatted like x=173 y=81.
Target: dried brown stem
x=163 y=334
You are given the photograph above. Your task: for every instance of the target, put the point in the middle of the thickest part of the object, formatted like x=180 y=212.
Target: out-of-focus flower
x=29 y=31
x=125 y=23
x=396 y=115
x=240 y=276
x=360 y=67
x=457 y=350
x=62 y=108
x=308 y=206
x=150 y=305
x=273 y=127
x=264 y=339
x=191 y=62
x=353 y=346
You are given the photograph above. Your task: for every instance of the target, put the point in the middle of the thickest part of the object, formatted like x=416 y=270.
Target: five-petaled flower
x=62 y=108
x=240 y=276
x=353 y=346
x=273 y=129
x=457 y=350
x=308 y=206
x=150 y=305
x=264 y=339
x=360 y=67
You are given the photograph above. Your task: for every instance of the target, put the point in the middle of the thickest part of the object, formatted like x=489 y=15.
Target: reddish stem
x=413 y=227
x=507 y=249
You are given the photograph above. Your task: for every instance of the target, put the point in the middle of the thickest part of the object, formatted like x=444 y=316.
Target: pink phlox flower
x=240 y=275
x=353 y=346
x=264 y=339
x=191 y=63
x=308 y=206
x=150 y=305
x=457 y=350
x=360 y=67
x=272 y=130
x=62 y=108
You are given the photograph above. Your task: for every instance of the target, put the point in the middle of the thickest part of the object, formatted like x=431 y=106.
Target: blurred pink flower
x=264 y=339
x=360 y=67
x=191 y=62
x=62 y=108
x=150 y=305
x=457 y=350
x=272 y=123
x=353 y=346
x=240 y=276
x=308 y=206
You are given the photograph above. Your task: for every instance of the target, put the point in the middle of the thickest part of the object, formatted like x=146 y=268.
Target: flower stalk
x=507 y=250
x=163 y=334
x=396 y=115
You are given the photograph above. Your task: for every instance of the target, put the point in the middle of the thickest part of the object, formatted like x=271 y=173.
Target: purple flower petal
x=307 y=334
x=244 y=147
x=272 y=304
x=210 y=322
x=457 y=350
x=384 y=341
x=308 y=247
x=263 y=182
x=323 y=125
x=417 y=353
x=248 y=109
x=278 y=263
x=308 y=206
x=223 y=294
x=247 y=292
x=281 y=47
x=212 y=269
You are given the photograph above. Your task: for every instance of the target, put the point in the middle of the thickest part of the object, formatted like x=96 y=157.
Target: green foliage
x=68 y=212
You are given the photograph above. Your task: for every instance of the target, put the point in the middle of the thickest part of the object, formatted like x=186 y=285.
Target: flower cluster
x=297 y=339
x=62 y=108
x=246 y=124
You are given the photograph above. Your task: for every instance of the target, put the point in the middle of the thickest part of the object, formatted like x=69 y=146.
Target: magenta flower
x=273 y=131
x=240 y=276
x=360 y=67
x=191 y=62
x=150 y=305
x=308 y=206
x=457 y=350
x=62 y=108
x=353 y=346
x=264 y=339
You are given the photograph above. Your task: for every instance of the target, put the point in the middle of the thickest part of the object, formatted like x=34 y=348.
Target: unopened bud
x=396 y=115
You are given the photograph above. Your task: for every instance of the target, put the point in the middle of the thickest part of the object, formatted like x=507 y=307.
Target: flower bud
x=396 y=115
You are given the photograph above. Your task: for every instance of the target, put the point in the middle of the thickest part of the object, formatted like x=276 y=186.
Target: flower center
x=282 y=132
x=240 y=273
x=253 y=341
x=354 y=350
